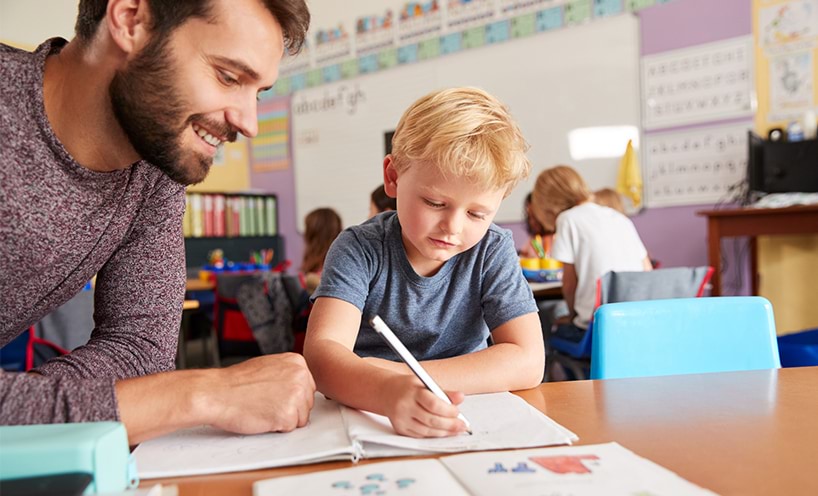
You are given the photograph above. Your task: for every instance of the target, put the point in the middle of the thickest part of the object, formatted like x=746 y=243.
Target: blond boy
x=437 y=271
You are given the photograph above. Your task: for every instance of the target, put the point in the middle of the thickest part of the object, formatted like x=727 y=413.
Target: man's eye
x=227 y=79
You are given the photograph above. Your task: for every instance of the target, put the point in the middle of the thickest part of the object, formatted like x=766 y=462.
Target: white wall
x=30 y=22
x=27 y=23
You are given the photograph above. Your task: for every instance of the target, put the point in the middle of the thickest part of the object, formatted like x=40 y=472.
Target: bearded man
x=99 y=137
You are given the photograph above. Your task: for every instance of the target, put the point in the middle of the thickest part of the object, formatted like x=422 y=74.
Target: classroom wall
x=677 y=236
x=787 y=265
x=676 y=24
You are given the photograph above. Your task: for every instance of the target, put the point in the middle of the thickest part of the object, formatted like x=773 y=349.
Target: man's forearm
x=153 y=405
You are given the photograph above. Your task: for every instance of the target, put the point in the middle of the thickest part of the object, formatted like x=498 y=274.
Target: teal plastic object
x=683 y=336
x=98 y=448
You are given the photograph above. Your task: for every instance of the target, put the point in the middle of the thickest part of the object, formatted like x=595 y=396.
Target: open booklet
x=335 y=432
x=602 y=469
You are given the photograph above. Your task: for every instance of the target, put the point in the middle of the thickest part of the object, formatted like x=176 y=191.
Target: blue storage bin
x=799 y=349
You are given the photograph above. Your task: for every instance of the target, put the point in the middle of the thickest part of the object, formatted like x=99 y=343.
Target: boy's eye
x=478 y=215
x=432 y=204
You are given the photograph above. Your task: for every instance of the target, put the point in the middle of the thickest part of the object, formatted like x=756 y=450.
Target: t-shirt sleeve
x=505 y=293
x=348 y=270
x=565 y=240
x=138 y=298
x=31 y=399
x=637 y=246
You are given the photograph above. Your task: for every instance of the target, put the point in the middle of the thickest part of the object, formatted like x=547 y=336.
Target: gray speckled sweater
x=60 y=224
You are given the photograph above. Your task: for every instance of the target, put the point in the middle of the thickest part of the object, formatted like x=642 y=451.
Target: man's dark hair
x=167 y=15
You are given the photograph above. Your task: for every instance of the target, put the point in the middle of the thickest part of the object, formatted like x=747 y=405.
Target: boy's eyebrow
x=238 y=65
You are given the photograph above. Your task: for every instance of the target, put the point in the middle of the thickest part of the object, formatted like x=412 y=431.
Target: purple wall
x=282 y=183
x=684 y=23
x=675 y=236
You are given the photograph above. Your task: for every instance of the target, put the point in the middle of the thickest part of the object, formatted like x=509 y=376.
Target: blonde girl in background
x=589 y=240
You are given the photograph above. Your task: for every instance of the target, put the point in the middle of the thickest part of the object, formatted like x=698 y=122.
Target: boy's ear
x=390 y=177
x=127 y=22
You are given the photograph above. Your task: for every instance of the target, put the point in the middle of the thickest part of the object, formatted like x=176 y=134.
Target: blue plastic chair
x=683 y=336
x=614 y=287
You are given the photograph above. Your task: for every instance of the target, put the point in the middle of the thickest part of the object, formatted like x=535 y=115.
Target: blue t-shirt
x=448 y=314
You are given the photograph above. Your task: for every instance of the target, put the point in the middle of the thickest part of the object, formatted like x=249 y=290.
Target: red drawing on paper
x=564 y=464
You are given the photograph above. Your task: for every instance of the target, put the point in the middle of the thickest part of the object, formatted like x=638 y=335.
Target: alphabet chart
x=695 y=166
x=702 y=83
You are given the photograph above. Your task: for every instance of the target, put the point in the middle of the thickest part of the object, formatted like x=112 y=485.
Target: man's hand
x=272 y=393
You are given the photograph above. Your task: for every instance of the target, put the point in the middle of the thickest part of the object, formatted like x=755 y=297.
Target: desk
x=199 y=285
x=752 y=222
x=736 y=433
x=546 y=290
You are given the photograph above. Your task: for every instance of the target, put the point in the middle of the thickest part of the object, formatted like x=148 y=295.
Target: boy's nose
x=452 y=224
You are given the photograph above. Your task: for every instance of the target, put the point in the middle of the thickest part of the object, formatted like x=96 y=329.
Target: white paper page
x=205 y=450
x=407 y=478
x=602 y=469
x=498 y=420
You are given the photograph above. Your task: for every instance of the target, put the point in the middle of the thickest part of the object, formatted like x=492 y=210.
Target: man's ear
x=128 y=23
x=390 y=177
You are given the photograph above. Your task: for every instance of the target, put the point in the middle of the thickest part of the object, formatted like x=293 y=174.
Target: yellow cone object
x=629 y=182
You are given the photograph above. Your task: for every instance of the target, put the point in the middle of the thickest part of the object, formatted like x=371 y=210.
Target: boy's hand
x=416 y=412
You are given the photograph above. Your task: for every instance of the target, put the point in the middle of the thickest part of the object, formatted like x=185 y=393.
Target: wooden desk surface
x=737 y=433
x=546 y=290
x=199 y=285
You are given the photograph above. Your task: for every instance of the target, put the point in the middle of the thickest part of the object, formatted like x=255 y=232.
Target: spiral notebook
x=336 y=432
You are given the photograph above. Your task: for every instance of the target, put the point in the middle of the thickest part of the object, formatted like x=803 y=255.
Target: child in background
x=381 y=202
x=438 y=272
x=321 y=227
x=533 y=228
x=589 y=240
x=608 y=197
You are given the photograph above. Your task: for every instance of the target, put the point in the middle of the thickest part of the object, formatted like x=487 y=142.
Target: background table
x=752 y=222
x=736 y=433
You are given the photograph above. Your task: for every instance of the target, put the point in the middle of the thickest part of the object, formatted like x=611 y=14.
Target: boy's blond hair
x=557 y=189
x=464 y=132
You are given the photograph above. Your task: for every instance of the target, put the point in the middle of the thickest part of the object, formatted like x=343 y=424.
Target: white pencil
x=381 y=328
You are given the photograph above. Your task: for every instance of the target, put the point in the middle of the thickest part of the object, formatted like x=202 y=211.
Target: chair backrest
x=659 y=284
x=683 y=336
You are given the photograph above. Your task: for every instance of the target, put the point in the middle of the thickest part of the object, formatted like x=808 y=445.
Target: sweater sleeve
x=31 y=399
x=138 y=298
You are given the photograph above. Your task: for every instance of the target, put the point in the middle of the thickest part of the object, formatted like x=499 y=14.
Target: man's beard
x=150 y=109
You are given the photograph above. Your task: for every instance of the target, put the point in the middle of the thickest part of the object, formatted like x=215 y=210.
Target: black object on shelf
x=782 y=166
x=235 y=249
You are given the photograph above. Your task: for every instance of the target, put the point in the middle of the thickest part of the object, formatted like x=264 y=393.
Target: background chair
x=235 y=338
x=675 y=282
x=683 y=336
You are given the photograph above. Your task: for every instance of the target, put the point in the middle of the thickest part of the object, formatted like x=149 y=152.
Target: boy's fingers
x=436 y=406
x=456 y=396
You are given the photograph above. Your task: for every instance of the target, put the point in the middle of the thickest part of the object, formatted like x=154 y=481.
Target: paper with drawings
x=205 y=450
x=407 y=478
x=603 y=469
x=498 y=420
